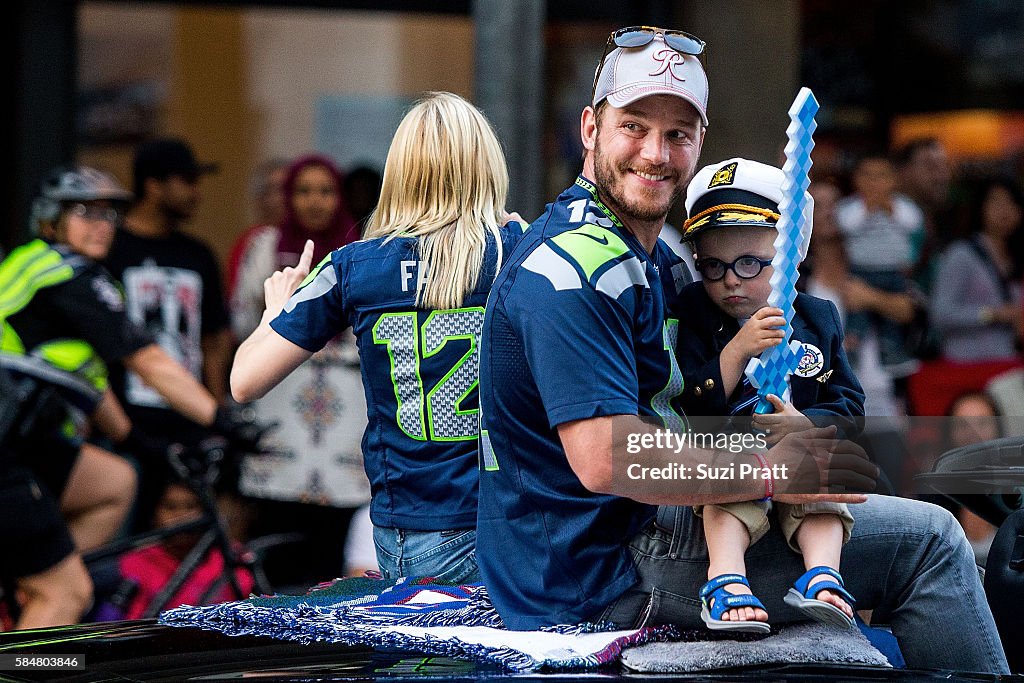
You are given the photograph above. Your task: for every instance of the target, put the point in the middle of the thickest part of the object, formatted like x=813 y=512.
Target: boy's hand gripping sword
x=770 y=373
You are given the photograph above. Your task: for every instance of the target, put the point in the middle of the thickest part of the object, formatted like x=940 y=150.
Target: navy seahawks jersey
x=575 y=329
x=420 y=371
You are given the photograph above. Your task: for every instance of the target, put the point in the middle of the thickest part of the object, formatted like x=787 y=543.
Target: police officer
x=62 y=321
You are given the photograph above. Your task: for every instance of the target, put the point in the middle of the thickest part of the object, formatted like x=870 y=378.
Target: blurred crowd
x=925 y=266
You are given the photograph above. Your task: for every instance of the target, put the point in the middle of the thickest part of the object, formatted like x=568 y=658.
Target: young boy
x=724 y=321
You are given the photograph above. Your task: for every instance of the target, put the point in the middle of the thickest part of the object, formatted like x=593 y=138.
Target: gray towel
x=798 y=643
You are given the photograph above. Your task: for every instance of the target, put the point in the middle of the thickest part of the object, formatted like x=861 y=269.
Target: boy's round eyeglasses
x=745 y=267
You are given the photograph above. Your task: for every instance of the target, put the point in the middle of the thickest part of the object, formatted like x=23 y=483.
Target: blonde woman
x=414 y=292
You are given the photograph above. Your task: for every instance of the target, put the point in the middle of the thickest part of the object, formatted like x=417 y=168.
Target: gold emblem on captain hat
x=724 y=176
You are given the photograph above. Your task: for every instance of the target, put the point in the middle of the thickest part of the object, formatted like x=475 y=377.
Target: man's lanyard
x=589 y=187
x=623 y=230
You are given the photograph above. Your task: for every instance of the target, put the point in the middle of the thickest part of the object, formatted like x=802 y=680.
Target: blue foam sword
x=771 y=371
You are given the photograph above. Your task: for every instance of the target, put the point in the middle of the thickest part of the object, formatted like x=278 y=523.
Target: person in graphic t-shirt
x=172 y=287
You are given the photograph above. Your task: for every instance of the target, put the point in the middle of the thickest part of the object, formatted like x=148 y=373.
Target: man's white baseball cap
x=654 y=69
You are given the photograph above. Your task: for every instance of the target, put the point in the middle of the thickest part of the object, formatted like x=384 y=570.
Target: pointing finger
x=306 y=260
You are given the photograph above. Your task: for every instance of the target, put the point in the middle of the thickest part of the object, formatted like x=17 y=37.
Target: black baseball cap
x=166 y=157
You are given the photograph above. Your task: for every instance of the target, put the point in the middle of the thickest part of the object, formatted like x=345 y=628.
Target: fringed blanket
x=415 y=614
x=460 y=622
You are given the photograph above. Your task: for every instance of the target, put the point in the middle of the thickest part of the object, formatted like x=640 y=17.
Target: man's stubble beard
x=613 y=194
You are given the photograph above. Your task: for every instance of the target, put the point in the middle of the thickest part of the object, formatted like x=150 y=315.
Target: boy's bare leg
x=728 y=541
x=820 y=538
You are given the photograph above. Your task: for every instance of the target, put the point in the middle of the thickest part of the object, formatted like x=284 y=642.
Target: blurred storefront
x=247 y=81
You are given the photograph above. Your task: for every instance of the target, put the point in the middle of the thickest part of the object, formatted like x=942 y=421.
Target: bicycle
x=199 y=468
x=33 y=405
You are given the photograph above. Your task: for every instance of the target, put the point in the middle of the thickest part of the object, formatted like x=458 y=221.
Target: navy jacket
x=824 y=384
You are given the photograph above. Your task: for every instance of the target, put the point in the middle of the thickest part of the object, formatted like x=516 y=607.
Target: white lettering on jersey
x=579 y=212
x=407 y=267
x=407 y=274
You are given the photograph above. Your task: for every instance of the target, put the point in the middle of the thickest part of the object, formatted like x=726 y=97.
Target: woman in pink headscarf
x=314 y=209
x=318 y=477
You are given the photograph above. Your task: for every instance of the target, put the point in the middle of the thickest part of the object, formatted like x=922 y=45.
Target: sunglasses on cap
x=745 y=267
x=94 y=213
x=638 y=36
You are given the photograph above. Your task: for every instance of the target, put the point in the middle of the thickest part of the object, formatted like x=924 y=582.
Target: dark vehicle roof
x=146 y=651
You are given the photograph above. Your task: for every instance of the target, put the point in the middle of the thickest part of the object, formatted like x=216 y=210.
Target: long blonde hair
x=445 y=183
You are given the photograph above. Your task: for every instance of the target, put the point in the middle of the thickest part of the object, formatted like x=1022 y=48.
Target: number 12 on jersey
x=433 y=414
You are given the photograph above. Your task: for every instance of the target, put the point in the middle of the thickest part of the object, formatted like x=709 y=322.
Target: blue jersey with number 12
x=420 y=371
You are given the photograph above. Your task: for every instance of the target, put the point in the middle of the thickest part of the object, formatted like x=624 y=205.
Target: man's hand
x=785 y=420
x=1008 y=314
x=817 y=464
x=279 y=287
x=762 y=331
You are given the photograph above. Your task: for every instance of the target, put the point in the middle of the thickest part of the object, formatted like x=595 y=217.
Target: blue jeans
x=907 y=560
x=449 y=556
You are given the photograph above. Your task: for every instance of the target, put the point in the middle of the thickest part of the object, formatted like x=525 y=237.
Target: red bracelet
x=769 y=483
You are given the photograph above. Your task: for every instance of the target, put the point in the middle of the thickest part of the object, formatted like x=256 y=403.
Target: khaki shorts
x=754 y=516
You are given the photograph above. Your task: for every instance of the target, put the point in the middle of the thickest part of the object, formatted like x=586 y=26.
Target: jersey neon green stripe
x=591 y=246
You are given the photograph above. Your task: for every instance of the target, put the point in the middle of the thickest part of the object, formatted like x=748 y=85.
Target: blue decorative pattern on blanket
x=419 y=615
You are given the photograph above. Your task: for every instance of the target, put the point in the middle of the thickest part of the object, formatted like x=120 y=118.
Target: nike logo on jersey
x=603 y=239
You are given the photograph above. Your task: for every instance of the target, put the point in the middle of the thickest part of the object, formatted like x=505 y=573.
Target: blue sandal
x=716 y=601
x=803 y=597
